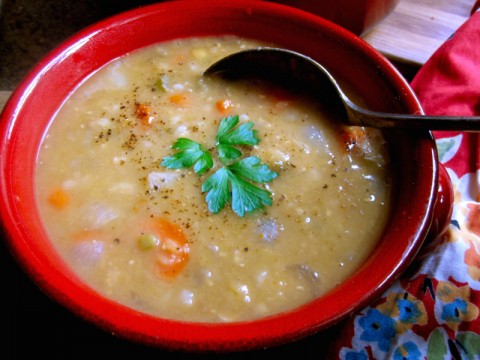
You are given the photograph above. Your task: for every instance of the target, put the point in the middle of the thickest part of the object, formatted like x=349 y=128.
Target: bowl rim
x=147 y=329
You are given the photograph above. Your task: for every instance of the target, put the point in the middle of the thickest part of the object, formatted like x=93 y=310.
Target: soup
x=177 y=228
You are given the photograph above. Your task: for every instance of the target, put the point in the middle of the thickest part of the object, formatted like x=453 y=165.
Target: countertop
x=416 y=28
x=28 y=30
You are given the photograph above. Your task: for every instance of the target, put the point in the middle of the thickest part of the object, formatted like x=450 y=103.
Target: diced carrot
x=179 y=99
x=172 y=246
x=353 y=137
x=59 y=198
x=224 y=106
x=144 y=113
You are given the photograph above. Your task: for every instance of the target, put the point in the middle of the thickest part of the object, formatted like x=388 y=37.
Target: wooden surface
x=416 y=28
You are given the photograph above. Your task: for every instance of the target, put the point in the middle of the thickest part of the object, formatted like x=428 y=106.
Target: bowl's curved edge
x=174 y=335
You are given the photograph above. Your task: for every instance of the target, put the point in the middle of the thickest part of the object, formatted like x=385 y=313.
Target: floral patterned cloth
x=433 y=311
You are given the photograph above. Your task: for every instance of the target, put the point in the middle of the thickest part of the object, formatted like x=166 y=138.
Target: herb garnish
x=235 y=179
x=190 y=153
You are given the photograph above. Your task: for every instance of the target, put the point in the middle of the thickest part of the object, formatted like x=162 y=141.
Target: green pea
x=147 y=241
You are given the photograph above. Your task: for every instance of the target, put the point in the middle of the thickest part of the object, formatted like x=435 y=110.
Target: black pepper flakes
x=131 y=142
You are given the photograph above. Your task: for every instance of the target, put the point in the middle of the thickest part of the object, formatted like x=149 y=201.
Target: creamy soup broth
x=102 y=190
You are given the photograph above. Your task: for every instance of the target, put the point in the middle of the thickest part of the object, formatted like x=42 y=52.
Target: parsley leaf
x=252 y=169
x=232 y=180
x=190 y=153
x=218 y=190
x=228 y=136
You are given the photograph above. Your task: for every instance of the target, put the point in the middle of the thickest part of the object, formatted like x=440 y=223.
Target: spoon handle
x=363 y=117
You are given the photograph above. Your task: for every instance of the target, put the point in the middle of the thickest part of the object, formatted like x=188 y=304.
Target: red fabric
x=449 y=84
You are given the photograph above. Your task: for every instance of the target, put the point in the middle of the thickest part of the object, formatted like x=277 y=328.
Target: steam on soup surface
x=142 y=234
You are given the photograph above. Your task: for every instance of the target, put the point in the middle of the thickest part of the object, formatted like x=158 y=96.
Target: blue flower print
x=451 y=311
x=377 y=328
x=453 y=305
x=409 y=311
x=355 y=355
x=408 y=351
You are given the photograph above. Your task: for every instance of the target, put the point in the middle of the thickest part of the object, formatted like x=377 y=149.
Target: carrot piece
x=178 y=99
x=143 y=113
x=59 y=198
x=172 y=249
x=353 y=137
x=224 y=105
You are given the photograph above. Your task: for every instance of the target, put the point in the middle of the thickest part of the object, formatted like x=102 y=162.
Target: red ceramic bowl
x=421 y=206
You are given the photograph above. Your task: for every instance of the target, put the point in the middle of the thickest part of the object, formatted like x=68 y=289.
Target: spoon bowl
x=290 y=68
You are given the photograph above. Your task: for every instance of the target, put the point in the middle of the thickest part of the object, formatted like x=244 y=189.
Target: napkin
x=432 y=311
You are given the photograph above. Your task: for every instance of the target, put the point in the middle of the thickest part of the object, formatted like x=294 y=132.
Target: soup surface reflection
x=142 y=233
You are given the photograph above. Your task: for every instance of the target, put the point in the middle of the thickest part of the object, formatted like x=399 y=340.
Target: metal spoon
x=292 y=67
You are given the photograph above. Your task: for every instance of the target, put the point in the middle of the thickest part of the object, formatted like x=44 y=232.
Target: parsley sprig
x=190 y=152
x=234 y=181
x=228 y=137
